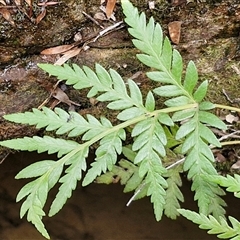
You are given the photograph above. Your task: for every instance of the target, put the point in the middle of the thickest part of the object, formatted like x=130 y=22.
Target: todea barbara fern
x=147 y=169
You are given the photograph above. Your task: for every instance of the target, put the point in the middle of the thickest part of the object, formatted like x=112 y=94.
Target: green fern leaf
x=201 y=91
x=156 y=184
x=160 y=77
x=206 y=106
x=69 y=181
x=150 y=102
x=44 y=144
x=191 y=77
x=72 y=123
x=200 y=159
x=36 y=198
x=183 y=115
x=215 y=226
x=177 y=66
x=35 y=170
x=153 y=137
x=186 y=128
x=150 y=145
x=177 y=101
x=231 y=183
x=168 y=91
x=173 y=193
x=130 y=113
x=65 y=72
x=212 y=120
x=208 y=198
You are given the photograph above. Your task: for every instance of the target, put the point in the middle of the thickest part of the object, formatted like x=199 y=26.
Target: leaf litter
x=26 y=8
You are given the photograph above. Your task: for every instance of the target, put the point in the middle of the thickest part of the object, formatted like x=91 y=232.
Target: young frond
x=215 y=226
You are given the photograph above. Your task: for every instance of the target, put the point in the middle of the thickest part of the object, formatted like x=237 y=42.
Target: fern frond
x=199 y=157
x=158 y=54
x=215 y=226
x=49 y=173
x=36 y=191
x=109 y=86
x=173 y=193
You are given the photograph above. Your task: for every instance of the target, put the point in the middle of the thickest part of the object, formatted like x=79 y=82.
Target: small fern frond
x=62 y=122
x=199 y=157
x=48 y=173
x=215 y=226
x=158 y=54
x=173 y=194
x=208 y=196
x=36 y=191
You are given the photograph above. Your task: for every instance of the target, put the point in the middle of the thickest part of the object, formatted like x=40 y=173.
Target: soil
x=96 y=212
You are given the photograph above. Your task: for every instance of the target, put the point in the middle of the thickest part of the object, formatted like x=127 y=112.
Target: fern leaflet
x=215 y=226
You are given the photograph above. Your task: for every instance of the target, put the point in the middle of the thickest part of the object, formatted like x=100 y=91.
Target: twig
x=8 y=7
x=135 y=194
x=2 y=160
x=108 y=30
x=233 y=134
x=226 y=95
x=92 y=19
x=176 y=163
x=143 y=184
x=50 y=95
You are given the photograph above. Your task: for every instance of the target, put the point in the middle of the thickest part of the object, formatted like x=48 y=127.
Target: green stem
x=230 y=143
x=227 y=107
x=124 y=125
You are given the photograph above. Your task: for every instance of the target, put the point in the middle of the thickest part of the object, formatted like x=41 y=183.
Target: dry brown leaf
x=57 y=50
x=47 y=4
x=69 y=54
x=110 y=7
x=2 y=1
x=30 y=12
x=231 y=118
x=174 y=29
x=18 y=2
x=41 y=15
x=6 y=14
x=60 y=95
x=178 y=2
x=236 y=165
x=100 y=16
x=220 y=158
x=151 y=5
x=29 y=2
